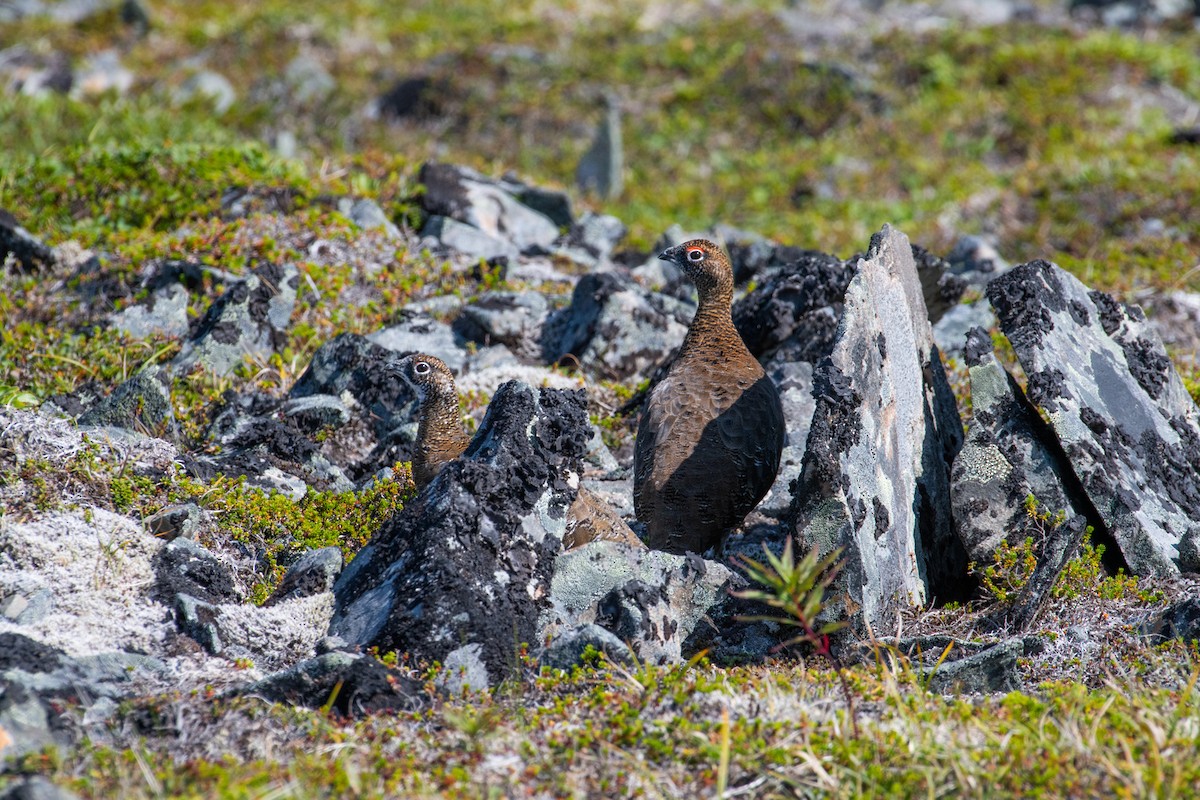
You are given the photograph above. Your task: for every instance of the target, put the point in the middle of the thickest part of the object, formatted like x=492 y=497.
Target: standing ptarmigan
x=441 y=438
x=712 y=432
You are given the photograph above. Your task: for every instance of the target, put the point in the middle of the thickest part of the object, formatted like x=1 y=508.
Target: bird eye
x=695 y=254
x=421 y=368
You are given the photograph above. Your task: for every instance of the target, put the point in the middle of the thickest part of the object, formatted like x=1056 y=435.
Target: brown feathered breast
x=712 y=432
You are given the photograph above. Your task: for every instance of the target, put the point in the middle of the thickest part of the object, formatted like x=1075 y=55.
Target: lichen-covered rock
x=650 y=599
x=875 y=479
x=614 y=329
x=1009 y=454
x=184 y=566
x=142 y=403
x=248 y=319
x=567 y=649
x=1121 y=412
x=417 y=332
x=794 y=380
x=513 y=319
x=355 y=365
x=490 y=206
x=164 y=314
x=469 y=561
x=797 y=310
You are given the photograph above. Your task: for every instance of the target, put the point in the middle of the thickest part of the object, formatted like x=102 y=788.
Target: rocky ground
x=217 y=579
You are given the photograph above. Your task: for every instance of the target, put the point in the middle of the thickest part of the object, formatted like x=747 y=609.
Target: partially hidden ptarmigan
x=441 y=438
x=712 y=431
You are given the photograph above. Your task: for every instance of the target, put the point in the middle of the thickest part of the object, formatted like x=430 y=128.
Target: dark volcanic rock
x=875 y=478
x=941 y=288
x=352 y=363
x=314 y=572
x=1009 y=454
x=614 y=329
x=465 y=568
x=22 y=245
x=1120 y=410
x=185 y=567
x=797 y=310
x=248 y=319
x=351 y=684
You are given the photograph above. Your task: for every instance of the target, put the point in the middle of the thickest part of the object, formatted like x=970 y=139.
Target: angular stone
x=460 y=237
x=142 y=403
x=351 y=684
x=180 y=520
x=600 y=170
x=1121 y=412
x=1009 y=454
x=567 y=649
x=513 y=319
x=464 y=195
x=35 y=787
x=187 y=567
x=165 y=314
x=314 y=572
x=249 y=319
x=875 y=480
x=350 y=363
x=469 y=561
x=367 y=215
x=649 y=599
x=22 y=245
x=797 y=310
x=794 y=380
x=992 y=670
x=417 y=332
x=614 y=329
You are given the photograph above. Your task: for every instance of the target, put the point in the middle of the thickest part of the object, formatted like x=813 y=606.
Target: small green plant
x=797 y=590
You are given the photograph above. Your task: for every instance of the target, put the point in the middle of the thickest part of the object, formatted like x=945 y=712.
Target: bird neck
x=441 y=430
x=713 y=323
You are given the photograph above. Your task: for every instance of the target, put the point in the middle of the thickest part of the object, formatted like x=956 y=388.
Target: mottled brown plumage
x=441 y=437
x=712 y=432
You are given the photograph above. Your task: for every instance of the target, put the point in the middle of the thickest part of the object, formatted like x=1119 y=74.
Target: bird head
x=704 y=263
x=427 y=375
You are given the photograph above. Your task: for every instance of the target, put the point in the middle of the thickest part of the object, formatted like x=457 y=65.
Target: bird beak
x=670 y=254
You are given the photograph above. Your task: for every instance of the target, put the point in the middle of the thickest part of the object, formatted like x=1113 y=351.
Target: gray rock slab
x=249 y=319
x=649 y=599
x=1120 y=410
x=367 y=214
x=514 y=319
x=417 y=332
x=469 y=560
x=992 y=670
x=484 y=204
x=794 y=381
x=1009 y=454
x=465 y=239
x=164 y=314
x=875 y=479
